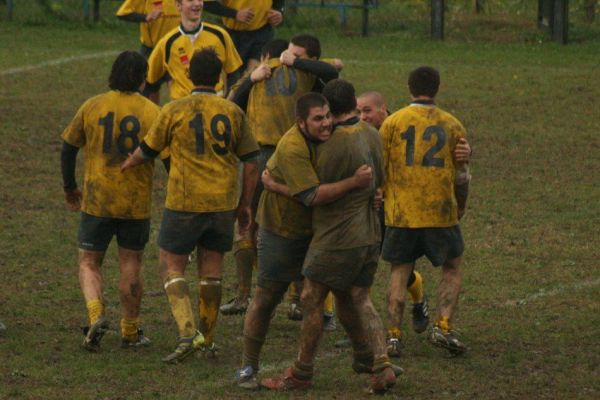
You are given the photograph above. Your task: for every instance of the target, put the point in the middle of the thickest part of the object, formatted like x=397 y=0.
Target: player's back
x=109 y=127
x=419 y=142
x=271 y=102
x=350 y=221
x=206 y=136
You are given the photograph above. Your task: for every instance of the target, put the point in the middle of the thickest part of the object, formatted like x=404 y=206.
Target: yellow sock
x=95 y=310
x=293 y=292
x=416 y=289
x=209 y=300
x=328 y=306
x=444 y=324
x=394 y=333
x=129 y=328
x=179 y=298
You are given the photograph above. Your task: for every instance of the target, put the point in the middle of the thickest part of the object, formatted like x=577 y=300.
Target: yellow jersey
x=151 y=32
x=260 y=8
x=174 y=52
x=109 y=127
x=272 y=101
x=351 y=221
x=207 y=136
x=419 y=142
x=290 y=164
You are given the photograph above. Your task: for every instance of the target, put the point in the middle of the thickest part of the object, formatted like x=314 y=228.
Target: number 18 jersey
x=110 y=126
x=418 y=145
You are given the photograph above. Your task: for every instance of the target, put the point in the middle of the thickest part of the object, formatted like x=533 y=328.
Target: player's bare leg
x=172 y=267
x=245 y=263
x=396 y=297
x=90 y=280
x=210 y=270
x=448 y=291
x=131 y=288
x=354 y=326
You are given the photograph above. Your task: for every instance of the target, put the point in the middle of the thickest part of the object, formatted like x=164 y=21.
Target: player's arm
x=250 y=178
x=463 y=151
x=244 y=15
x=461 y=187
x=142 y=154
x=133 y=11
x=68 y=161
x=322 y=70
x=156 y=70
x=241 y=91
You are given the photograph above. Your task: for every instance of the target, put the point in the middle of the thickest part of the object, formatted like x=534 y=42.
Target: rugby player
x=269 y=95
x=174 y=51
x=108 y=127
x=344 y=249
x=425 y=196
x=207 y=137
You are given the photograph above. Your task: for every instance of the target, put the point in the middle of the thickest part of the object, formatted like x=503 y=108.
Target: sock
x=444 y=324
x=209 y=299
x=381 y=363
x=416 y=288
x=328 y=305
x=129 y=328
x=179 y=298
x=251 y=354
x=302 y=371
x=363 y=355
x=293 y=293
x=244 y=263
x=95 y=310
x=394 y=333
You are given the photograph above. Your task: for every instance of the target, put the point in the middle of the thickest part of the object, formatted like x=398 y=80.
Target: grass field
x=530 y=305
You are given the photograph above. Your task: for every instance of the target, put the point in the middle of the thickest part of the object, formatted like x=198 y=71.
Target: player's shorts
x=265 y=153
x=181 y=232
x=406 y=245
x=342 y=269
x=95 y=233
x=249 y=44
x=279 y=259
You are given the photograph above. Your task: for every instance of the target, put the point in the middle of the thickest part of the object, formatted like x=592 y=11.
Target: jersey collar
x=204 y=91
x=349 y=121
x=429 y=102
x=193 y=34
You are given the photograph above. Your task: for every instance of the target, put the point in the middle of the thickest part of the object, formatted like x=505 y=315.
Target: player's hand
x=127 y=163
x=462 y=152
x=267 y=180
x=260 y=73
x=461 y=213
x=73 y=199
x=244 y=218
x=337 y=64
x=245 y=15
x=153 y=15
x=287 y=58
x=274 y=17
x=363 y=176
x=378 y=199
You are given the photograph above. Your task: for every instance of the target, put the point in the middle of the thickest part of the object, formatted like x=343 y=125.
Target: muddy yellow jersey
x=151 y=32
x=110 y=126
x=207 y=136
x=351 y=221
x=290 y=164
x=419 y=142
x=260 y=8
x=174 y=52
x=271 y=102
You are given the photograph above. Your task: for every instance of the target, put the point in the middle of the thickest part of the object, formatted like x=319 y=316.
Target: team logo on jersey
x=184 y=59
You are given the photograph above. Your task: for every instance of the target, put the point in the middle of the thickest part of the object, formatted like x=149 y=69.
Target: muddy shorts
x=95 y=233
x=249 y=44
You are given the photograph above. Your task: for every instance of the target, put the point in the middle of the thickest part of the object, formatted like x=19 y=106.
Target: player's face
x=318 y=124
x=370 y=111
x=190 y=10
x=298 y=51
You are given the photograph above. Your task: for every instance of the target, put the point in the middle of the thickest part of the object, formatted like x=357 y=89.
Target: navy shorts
x=249 y=44
x=95 y=233
x=279 y=259
x=406 y=245
x=342 y=269
x=181 y=232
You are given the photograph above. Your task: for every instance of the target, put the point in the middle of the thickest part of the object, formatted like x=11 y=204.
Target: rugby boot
x=420 y=316
x=140 y=341
x=246 y=378
x=185 y=347
x=235 y=306
x=447 y=340
x=295 y=311
x=93 y=334
x=287 y=381
x=394 y=347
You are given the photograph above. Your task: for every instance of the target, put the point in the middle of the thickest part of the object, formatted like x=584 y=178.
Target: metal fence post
x=437 y=19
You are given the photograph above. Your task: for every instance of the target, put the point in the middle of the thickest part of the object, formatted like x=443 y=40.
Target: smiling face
x=190 y=10
x=318 y=123
x=371 y=109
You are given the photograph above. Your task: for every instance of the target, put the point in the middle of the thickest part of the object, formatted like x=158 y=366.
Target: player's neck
x=190 y=27
x=422 y=100
x=204 y=89
x=337 y=119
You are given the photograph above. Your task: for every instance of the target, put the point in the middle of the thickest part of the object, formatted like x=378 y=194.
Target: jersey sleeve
x=297 y=170
x=74 y=133
x=131 y=6
x=156 y=64
x=159 y=135
x=233 y=62
x=246 y=145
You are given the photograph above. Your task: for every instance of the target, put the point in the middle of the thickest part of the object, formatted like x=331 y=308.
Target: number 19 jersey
x=110 y=126
x=418 y=145
x=206 y=136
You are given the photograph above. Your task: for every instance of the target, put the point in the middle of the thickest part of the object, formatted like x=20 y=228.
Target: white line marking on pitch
x=58 y=61
x=552 y=292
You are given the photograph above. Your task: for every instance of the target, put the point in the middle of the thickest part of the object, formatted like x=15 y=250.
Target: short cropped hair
x=424 y=81
x=274 y=48
x=205 y=67
x=128 y=72
x=341 y=96
x=308 y=101
x=310 y=43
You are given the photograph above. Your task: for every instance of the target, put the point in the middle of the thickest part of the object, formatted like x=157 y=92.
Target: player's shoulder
x=217 y=31
x=169 y=38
